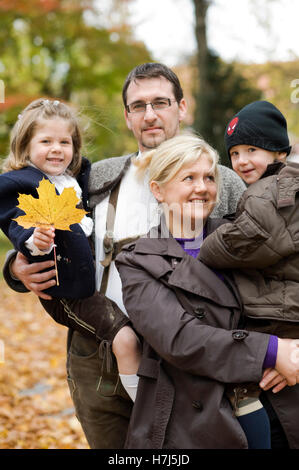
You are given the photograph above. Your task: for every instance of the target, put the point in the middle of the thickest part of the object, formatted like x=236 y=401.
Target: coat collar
x=287 y=185
x=195 y=277
x=159 y=241
x=188 y=273
x=273 y=169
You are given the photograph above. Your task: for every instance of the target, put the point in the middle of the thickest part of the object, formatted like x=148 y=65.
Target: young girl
x=261 y=245
x=46 y=143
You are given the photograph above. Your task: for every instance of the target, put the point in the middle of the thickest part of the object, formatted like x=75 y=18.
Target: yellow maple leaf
x=60 y=211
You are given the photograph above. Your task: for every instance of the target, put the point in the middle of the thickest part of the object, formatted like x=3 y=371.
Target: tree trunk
x=202 y=85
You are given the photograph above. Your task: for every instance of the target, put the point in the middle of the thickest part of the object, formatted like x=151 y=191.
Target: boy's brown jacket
x=262 y=246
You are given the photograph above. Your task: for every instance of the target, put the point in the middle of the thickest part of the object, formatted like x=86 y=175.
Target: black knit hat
x=259 y=124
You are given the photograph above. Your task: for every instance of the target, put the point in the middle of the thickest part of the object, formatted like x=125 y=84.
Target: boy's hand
x=43 y=238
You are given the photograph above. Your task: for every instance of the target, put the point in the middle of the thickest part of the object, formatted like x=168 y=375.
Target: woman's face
x=189 y=198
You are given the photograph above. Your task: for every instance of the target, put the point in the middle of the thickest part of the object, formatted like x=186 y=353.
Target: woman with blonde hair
x=187 y=314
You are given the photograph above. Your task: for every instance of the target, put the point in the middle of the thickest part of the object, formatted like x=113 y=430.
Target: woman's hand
x=272 y=378
x=287 y=361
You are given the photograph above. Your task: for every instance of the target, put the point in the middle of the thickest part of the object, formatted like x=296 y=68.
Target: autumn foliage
x=50 y=209
x=42 y=6
x=36 y=410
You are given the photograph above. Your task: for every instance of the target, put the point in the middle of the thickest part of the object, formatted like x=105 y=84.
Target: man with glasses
x=123 y=208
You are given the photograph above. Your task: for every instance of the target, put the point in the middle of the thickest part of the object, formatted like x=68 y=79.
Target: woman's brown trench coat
x=192 y=347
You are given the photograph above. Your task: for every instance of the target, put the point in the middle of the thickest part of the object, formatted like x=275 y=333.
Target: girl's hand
x=43 y=238
x=272 y=378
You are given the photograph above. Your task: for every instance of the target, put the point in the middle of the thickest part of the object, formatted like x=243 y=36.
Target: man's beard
x=153 y=142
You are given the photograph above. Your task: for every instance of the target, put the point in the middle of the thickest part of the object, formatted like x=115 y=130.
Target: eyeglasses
x=140 y=106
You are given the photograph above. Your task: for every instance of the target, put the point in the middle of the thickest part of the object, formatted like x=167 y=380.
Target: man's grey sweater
x=105 y=174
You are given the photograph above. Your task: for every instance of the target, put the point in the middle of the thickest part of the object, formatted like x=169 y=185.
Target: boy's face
x=250 y=162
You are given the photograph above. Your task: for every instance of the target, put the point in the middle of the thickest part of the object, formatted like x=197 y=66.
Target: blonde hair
x=164 y=162
x=25 y=127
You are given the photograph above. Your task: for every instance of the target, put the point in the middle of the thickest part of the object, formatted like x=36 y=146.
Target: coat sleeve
x=180 y=338
x=256 y=239
x=9 y=191
x=14 y=284
x=95 y=317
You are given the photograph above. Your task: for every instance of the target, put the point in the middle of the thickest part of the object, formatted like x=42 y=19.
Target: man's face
x=152 y=127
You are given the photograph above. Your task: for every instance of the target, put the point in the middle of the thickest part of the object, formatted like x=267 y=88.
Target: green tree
x=279 y=83
x=227 y=92
x=48 y=48
x=220 y=89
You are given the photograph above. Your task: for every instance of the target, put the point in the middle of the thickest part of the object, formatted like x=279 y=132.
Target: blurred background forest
x=80 y=51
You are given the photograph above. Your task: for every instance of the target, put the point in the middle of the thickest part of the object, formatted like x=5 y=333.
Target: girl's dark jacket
x=74 y=257
x=192 y=347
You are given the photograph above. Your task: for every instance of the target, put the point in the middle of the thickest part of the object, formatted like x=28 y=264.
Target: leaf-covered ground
x=36 y=411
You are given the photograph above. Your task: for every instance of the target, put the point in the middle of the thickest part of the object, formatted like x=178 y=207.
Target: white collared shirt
x=136 y=213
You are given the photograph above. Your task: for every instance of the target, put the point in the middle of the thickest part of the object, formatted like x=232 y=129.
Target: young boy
x=261 y=246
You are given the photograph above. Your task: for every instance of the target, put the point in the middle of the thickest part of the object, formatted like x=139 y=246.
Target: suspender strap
x=111 y=248
x=108 y=239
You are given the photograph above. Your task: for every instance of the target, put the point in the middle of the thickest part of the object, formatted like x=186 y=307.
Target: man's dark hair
x=153 y=70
